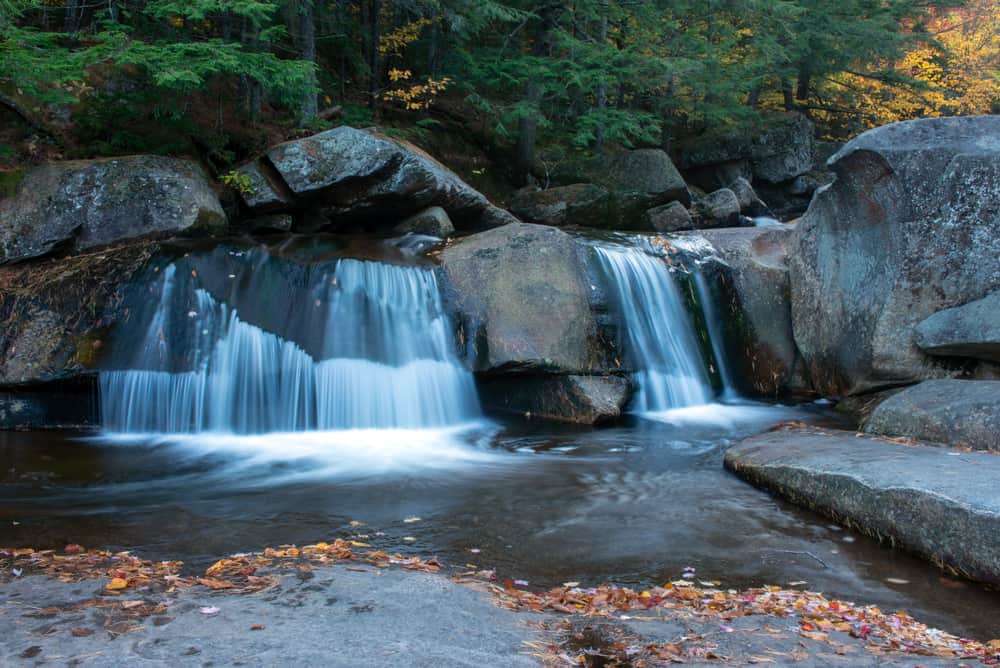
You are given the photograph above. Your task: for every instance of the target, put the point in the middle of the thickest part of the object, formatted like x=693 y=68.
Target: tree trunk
x=802 y=87
x=307 y=52
x=72 y=21
x=788 y=95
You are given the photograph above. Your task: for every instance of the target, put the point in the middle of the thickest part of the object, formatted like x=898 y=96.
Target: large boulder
x=522 y=297
x=971 y=330
x=777 y=149
x=946 y=509
x=78 y=205
x=672 y=217
x=717 y=209
x=352 y=176
x=647 y=175
x=952 y=412
x=433 y=221
x=750 y=286
x=908 y=228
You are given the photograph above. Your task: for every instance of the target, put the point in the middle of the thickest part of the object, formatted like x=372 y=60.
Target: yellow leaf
x=117 y=583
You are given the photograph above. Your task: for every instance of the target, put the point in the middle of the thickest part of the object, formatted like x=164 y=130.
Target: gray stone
x=908 y=228
x=672 y=217
x=750 y=204
x=561 y=398
x=362 y=175
x=522 y=298
x=944 y=508
x=752 y=294
x=952 y=412
x=89 y=203
x=433 y=221
x=970 y=330
x=263 y=190
x=717 y=209
x=494 y=216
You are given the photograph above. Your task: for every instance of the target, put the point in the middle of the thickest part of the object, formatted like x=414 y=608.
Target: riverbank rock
x=78 y=205
x=943 y=508
x=952 y=412
x=716 y=209
x=908 y=228
x=673 y=217
x=522 y=298
x=750 y=286
x=346 y=176
x=971 y=330
x=582 y=204
x=750 y=204
x=561 y=398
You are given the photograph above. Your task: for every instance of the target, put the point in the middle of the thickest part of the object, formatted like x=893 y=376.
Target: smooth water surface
x=633 y=504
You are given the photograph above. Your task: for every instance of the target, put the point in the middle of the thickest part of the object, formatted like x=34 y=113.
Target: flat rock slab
x=943 y=505
x=334 y=618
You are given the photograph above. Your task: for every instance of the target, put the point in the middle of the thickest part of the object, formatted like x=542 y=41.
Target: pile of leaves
x=816 y=616
x=238 y=574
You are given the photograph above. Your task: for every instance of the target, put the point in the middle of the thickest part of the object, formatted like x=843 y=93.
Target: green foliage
x=238 y=182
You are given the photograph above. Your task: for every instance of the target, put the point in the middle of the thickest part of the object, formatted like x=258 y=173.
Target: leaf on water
x=73 y=548
x=409 y=539
x=355 y=523
x=81 y=633
x=257 y=627
x=131 y=604
x=117 y=583
x=215 y=583
x=411 y=520
x=210 y=610
x=897 y=581
x=357 y=543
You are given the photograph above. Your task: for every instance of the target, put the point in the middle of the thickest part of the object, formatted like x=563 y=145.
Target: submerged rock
x=945 y=509
x=952 y=412
x=908 y=228
x=88 y=203
x=970 y=330
x=522 y=297
x=562 y=398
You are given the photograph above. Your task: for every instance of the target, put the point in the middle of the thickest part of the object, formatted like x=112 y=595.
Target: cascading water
x=659 y=336
x=383 y=357
x=713 y=323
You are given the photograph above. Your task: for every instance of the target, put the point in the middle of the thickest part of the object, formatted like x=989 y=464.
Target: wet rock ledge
x=941 y=504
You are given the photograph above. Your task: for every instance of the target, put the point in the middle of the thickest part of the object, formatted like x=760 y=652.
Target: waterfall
x=383 y=358
x=659 y=337
x=713 y=323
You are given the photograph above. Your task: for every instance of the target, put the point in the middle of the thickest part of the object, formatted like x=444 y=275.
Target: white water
x=713 y=323
x=659 y=336
x=387 y=362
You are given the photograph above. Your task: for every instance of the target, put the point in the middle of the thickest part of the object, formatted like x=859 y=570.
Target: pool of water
x=631 y=504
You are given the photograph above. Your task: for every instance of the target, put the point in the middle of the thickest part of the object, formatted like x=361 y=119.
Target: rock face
x=522 y=297
x=750 y=204
x=953 y=412
x=908 y=228
x=84 y=204
x=54 y=313
x=561 y=398
x=970 y=330
x=946 y=509
x=352 y=176
x=433 y=221
x=752 y=292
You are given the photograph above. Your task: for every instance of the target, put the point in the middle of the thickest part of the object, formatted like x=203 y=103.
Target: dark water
x=633 y=505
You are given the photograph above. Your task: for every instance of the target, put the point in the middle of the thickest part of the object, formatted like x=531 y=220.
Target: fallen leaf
x=256 y=627
x=81 y=633
x=117 y=583
x=131 y=604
